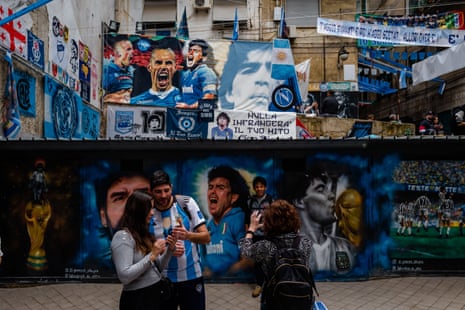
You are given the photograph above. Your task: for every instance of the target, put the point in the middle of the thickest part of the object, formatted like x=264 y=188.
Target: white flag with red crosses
x=13 y=35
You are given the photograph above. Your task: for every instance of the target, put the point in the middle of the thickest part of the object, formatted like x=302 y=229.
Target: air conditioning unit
x=277 y=13
x=291 y=31
x=202 y=4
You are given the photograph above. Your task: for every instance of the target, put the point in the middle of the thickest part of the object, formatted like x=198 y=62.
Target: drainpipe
x=324 y=59
x=260 y=35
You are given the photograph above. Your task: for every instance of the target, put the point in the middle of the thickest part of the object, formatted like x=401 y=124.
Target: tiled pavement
x=389 y=293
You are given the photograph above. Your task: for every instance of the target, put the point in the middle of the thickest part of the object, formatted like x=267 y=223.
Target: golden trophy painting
x=37 y=214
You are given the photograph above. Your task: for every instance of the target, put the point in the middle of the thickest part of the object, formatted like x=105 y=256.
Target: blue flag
x=403 y=79
x=235 y=34
x=10 y=118
x=442 y=87
x=282 y=26
x=183 y=30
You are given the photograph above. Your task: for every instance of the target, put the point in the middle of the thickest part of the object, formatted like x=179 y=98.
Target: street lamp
x=140 y=28
x=113 y=26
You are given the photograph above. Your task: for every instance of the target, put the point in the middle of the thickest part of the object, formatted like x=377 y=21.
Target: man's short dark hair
x=202 y=43
x=259 y=179
x=236 y=181
x=158 y=178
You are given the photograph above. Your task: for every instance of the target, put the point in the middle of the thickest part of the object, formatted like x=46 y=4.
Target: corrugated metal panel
x=160 y=11
x=225 y=10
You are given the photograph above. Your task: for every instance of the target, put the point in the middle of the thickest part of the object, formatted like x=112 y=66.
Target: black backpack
x=291 y=285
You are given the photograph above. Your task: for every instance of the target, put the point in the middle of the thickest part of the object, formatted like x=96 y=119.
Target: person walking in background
x=258 y=202
x=280 y=221
x=138 y=257
x=329 y=106
x=183 y=219
x=227 y=197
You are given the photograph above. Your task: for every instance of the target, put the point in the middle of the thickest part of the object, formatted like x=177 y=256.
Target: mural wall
x=167 y=72
x=367 y=213
x=162 y=87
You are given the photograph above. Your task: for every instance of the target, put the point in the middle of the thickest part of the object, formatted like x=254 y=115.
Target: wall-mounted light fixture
x=342 y=55
x=113 y=26
x=140 y=29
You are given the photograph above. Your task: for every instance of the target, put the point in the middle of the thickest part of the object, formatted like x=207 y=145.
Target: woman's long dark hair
x=134 y=220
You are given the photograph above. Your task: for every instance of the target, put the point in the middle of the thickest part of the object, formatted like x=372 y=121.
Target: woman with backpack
x=282 y=244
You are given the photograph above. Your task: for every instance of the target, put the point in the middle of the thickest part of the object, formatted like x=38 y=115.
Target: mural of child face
x=154 y=123
x=162 y=67
x=222 y=122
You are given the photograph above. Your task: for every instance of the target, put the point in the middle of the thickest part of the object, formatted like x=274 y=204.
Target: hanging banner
x=131 y=121
x=303 y=77
x=245 y=125
x=62 y=111
x=125 y=121
x=35 y=50
x=90 y=123
x=247 y=83
x=64 y=55
x=185 y=124
x=127 y=76
x=26 y=92
x=94 y=82
x=392 y=34
x=85 y=70
x=166 y=72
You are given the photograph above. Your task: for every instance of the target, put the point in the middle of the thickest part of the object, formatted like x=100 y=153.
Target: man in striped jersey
x=183 y=219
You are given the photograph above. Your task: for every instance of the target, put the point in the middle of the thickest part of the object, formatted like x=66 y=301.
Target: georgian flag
x=13 y=34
